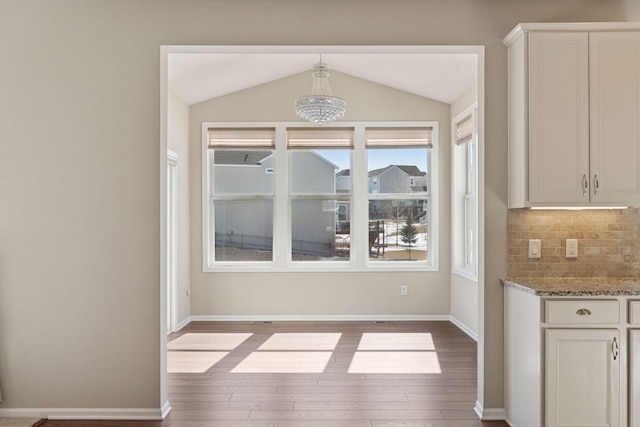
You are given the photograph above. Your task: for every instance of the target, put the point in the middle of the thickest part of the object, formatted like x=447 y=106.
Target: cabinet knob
x=583 y=312
x=585 y=185
x=596 y=184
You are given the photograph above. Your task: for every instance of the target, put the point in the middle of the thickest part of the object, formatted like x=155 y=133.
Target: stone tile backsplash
x=608 y=242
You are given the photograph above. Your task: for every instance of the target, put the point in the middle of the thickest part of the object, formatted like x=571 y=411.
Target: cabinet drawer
x=583 y=312
x=634 y=312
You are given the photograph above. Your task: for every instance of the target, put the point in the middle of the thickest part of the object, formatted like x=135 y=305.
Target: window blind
x=464 y=130
x=242 y=137
x=320 y=138
x=399 y=137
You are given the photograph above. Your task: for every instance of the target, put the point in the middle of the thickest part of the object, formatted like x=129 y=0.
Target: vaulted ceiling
x=442 y=76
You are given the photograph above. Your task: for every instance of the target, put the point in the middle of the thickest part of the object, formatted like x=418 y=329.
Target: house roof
x=409 y=170
x=344 y=172
x=243 y=157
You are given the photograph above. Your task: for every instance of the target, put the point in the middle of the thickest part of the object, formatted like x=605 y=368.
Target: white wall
x=178 y=142
x=80 y=173
x=244 y=294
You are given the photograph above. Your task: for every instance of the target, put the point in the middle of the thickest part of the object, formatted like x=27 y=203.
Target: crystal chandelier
x=320 y=107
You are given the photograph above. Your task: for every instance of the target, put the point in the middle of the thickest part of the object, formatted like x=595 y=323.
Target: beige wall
x=80 y=170
x=366 y=294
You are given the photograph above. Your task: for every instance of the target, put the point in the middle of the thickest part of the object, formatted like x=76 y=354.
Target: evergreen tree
x=409 y=233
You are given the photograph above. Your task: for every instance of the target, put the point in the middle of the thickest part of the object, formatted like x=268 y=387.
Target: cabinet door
x=634 y=378
x=615 y=117
x=582 y=377
x=558 y=118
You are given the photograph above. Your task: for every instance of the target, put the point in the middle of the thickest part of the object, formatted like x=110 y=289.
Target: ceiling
x=196 y=77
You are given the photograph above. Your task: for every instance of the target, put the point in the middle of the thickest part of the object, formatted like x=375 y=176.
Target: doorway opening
x=225 y=69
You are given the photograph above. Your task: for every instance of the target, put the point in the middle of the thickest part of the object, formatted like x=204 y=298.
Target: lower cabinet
x=634 y=377
x=572 y=361
x=582 y=385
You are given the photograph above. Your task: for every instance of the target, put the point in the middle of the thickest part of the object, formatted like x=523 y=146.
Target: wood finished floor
x=332 y=398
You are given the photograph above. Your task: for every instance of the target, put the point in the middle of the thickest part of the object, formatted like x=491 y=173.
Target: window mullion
x=282 y=207
x=360 y=203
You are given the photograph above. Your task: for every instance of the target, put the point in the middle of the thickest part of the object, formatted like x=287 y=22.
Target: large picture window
x=285 y=196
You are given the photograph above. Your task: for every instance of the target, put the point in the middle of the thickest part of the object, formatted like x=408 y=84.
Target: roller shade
x=400 y=137
x=320 y=138
x=242 y=137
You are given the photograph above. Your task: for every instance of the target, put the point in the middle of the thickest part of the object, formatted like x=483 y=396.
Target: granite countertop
x=588 y=286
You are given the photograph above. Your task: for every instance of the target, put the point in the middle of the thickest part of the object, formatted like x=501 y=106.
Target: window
x=465 y=213
x=320 y=162
x=398 y=169
x=241 y=194
x=285 y=196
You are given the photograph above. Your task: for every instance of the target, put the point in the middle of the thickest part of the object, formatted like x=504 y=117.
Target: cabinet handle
x=583 y=312
x=596 y=184
x=585 y=185
x=615 y=348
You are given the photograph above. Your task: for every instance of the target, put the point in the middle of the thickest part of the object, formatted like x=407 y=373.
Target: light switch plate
x=535 y=248
x=572 y=248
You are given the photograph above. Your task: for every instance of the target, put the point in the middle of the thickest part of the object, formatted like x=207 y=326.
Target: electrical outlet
x=572 y=248
x=535 y=248
x=404 y=290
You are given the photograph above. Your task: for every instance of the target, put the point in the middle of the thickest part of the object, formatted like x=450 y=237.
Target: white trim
x=172 y=239
x=569 y=26
x=182 y=324
x=489 y=414
x=464 y=328
x=166 y=408
x=321 y=317
x=88 y=413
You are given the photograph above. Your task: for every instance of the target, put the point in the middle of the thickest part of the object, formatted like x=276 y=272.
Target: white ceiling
x=196 y=77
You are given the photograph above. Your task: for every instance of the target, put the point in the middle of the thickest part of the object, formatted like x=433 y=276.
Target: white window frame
x=359 y=257
x=461 y=265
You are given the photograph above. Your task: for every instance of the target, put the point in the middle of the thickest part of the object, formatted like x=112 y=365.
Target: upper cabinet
x=574 y=115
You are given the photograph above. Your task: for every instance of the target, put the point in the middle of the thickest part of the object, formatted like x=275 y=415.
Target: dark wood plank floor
x=333 y=398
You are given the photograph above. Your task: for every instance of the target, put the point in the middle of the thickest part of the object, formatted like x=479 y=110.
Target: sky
x=380 y=158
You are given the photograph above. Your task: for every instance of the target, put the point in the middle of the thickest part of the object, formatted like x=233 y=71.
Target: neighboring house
x=397 y=179
x=250 y=222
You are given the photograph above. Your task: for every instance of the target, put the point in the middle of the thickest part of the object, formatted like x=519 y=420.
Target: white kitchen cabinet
x=634 y=377
x=571 y=360
x=574 y=115
x=582 y=377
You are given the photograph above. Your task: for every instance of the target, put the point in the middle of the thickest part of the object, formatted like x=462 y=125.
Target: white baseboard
x=320 y=318
x=464 y=328
x=87 y=413
x=489 y=414
x=182 y=324
x=166 y=408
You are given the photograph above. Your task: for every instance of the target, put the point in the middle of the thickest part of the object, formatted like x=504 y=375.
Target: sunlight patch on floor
x=395 y=362
x=396 y=341
x=284 y=362
x=192 y=362
x=301 y=341
x=208 y=341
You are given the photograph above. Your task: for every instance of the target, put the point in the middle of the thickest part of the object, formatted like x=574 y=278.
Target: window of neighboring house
x=399 y=163
x=465 y=213
x=286 y=196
